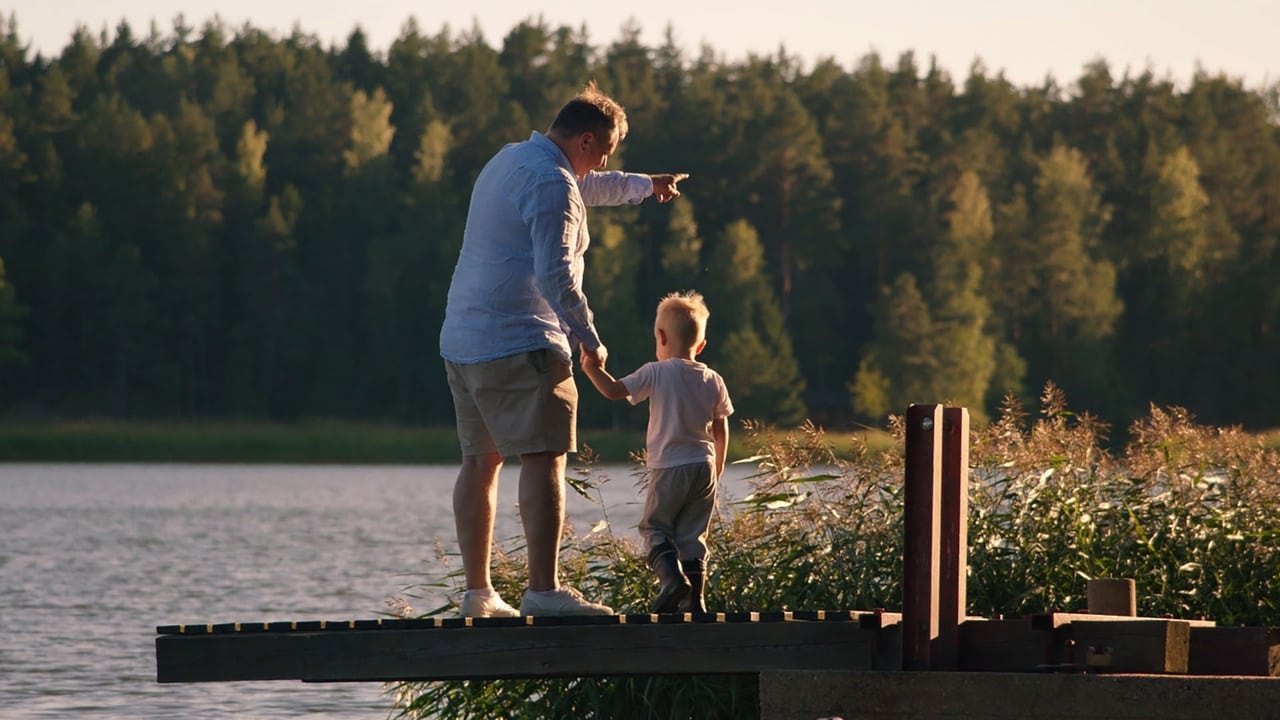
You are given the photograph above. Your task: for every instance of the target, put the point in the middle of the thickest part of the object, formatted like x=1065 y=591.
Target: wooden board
x=1004 y=646
x=1131 y=646
x=525 y=648
x=1054 y=620
x=1235 y=651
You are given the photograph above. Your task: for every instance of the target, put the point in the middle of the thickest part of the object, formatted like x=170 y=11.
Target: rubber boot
x=693 y=601
x=675 y=587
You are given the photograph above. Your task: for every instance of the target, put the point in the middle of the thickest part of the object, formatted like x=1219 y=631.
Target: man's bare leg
x=475 y=503
x=542 y=512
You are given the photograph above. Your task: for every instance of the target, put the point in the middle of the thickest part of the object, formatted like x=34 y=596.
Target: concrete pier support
x=1013 y=696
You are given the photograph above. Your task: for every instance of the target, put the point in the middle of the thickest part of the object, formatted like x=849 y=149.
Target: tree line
x=225 y=223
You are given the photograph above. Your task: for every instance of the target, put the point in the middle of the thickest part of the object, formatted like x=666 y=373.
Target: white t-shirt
x=684 y=397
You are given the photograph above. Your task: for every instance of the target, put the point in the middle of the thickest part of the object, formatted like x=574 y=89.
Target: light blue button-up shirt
x=517 y=286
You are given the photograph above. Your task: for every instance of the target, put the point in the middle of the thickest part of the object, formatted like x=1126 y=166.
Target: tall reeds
x=1192 y=513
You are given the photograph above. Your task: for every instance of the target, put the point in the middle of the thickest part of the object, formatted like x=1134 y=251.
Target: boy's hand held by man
x=594 y=358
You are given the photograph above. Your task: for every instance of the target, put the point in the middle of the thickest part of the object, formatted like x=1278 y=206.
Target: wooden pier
x=490 y=648
x=804 y=658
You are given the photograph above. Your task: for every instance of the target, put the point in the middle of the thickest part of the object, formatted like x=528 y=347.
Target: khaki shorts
x=526 y=403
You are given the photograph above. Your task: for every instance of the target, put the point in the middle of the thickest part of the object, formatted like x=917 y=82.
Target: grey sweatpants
x=678 y=509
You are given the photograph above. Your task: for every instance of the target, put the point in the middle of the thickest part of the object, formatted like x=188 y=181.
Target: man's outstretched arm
x=608 y=187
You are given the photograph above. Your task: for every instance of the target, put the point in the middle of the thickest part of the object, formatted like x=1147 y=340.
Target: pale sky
x=1027 y=39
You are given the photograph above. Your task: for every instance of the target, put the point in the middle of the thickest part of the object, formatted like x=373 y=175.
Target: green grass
x=312 y=441
x=337 y=442
x=306 y=442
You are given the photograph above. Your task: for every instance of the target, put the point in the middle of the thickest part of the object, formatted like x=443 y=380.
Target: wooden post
x=954 y=548
x=1112 y=596
x=922 y=522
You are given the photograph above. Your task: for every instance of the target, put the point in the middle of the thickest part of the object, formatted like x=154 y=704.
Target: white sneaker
x=562 y=601
x=481 y=604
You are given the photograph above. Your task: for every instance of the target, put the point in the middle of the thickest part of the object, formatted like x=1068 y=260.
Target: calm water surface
x=94 y=557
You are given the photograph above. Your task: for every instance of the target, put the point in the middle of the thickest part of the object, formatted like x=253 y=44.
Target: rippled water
x=94 y=557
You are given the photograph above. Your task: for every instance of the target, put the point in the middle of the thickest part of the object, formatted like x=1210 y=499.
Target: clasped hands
x=593 y=358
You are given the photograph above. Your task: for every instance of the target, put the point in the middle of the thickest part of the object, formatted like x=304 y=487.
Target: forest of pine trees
x=224 y=223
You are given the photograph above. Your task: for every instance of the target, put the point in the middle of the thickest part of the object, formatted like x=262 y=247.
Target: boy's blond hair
x=683 y=315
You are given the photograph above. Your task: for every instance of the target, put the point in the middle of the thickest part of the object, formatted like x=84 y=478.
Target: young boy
x=687 y=439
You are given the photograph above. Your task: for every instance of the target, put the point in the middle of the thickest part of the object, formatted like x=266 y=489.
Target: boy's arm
x=720 y=433
x=608 y=386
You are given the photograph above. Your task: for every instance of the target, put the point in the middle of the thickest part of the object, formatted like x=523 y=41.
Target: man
x=516 y=313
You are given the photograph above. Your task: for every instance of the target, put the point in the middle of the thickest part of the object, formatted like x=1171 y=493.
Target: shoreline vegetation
x=304 y=442
x=325 y=442
x=1191 y=512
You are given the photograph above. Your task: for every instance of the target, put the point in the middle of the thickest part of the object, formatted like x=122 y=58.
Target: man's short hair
x=684 y=316
x=591 y=111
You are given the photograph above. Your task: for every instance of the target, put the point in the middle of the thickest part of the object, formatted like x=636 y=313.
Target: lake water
x=94 y=557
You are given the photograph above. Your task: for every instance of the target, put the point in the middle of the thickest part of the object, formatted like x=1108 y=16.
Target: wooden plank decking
x=434 y=649
x=932 y=632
